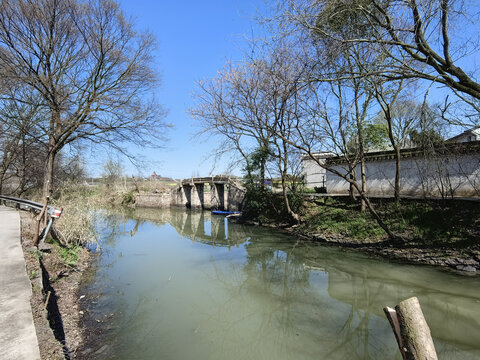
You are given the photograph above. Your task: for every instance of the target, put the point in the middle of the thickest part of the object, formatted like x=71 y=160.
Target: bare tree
x=89 y=70
x=386 y=97
x=231 y=106
x=421 y=39
x=248 y=104
x=17 y=141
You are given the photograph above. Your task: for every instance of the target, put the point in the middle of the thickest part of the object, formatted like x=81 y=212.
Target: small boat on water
x=221 y=212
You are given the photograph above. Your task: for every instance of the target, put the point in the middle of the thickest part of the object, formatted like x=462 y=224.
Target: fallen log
x=411 y=330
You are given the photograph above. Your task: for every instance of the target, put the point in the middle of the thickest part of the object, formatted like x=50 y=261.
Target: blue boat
x=221 y=212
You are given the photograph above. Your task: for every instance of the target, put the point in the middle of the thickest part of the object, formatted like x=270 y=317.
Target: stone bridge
x=214 y=192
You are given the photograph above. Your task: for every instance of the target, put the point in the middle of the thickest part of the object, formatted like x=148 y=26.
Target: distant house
x=154 y=176
x=472 y=134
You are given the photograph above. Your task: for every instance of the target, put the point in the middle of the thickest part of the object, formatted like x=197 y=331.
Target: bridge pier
x=195 y=195
x=234 y=197
x=218 y=199
x=180 y=198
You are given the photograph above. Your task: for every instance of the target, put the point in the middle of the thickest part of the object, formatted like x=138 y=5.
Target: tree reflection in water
x=248 y=292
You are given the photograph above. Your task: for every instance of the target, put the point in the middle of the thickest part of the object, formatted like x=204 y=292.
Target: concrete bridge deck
x=218 y=179
x=18 y=339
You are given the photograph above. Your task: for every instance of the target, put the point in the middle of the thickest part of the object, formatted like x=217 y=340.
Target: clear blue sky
x=195 y=39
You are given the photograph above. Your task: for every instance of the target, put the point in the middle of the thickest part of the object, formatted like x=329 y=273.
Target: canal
x=183 y=284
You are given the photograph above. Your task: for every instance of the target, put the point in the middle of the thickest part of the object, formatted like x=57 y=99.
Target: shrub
x=128 y=197
x=76 y=225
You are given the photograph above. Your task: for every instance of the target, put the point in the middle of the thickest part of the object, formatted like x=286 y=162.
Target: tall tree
x=89 y=69
x=254 y=100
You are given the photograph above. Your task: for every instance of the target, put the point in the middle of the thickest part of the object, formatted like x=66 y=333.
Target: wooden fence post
x=411 y=330
x=39 y=218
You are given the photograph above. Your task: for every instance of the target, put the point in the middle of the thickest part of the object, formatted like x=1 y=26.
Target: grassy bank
x=452 y=223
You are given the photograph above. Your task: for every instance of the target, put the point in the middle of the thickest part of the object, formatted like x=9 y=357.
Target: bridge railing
x=24 y=204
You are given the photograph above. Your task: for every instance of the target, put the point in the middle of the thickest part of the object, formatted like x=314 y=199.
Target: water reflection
x=236 y=292
x=199 y=226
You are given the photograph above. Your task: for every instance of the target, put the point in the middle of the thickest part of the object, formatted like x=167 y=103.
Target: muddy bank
x=465 y=261
x=55 y=295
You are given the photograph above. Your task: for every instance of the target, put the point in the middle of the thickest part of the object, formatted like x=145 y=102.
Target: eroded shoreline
x=55 y=295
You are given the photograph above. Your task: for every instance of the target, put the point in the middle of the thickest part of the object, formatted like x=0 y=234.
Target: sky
x=196 y=39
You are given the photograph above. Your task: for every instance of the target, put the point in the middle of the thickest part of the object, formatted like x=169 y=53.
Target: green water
x=180 y=284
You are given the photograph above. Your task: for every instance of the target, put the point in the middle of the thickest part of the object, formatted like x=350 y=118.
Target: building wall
x=315 y=176
x=457 y=175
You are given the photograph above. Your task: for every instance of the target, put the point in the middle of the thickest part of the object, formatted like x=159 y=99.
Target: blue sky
x=195 y=38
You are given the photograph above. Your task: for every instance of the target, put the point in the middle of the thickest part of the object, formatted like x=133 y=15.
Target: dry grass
x=76 y=225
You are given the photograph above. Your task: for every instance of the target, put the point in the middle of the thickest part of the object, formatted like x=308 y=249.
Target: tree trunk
x=23 y=168
x=48 y=171
x=283 y=169
x=363 y=205
x=396 y=147
x=38 y=220
x=262 y=173
x=397 y=174
x=351 y=190
x=411 y=330
x=294 y=216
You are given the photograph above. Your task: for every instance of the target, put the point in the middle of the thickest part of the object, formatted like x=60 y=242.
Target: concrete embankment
x=18 y=339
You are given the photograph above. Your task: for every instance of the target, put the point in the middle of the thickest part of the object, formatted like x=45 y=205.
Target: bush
x=76 y=225
x=128 y=198
x=258 y=202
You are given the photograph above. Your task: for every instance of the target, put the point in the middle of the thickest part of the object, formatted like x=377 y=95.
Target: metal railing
x=23 y=204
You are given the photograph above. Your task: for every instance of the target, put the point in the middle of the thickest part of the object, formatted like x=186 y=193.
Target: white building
x=453 y=171
x=467 y=136
x=315 y=175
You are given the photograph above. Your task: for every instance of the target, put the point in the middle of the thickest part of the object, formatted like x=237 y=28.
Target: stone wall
x=235 y=198
x=174 y=197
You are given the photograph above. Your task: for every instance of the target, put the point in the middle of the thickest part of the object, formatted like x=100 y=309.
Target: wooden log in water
x=411 y=330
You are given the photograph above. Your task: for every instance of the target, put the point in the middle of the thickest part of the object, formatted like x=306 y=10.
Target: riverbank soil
x=61 y=312
x=434 y=232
